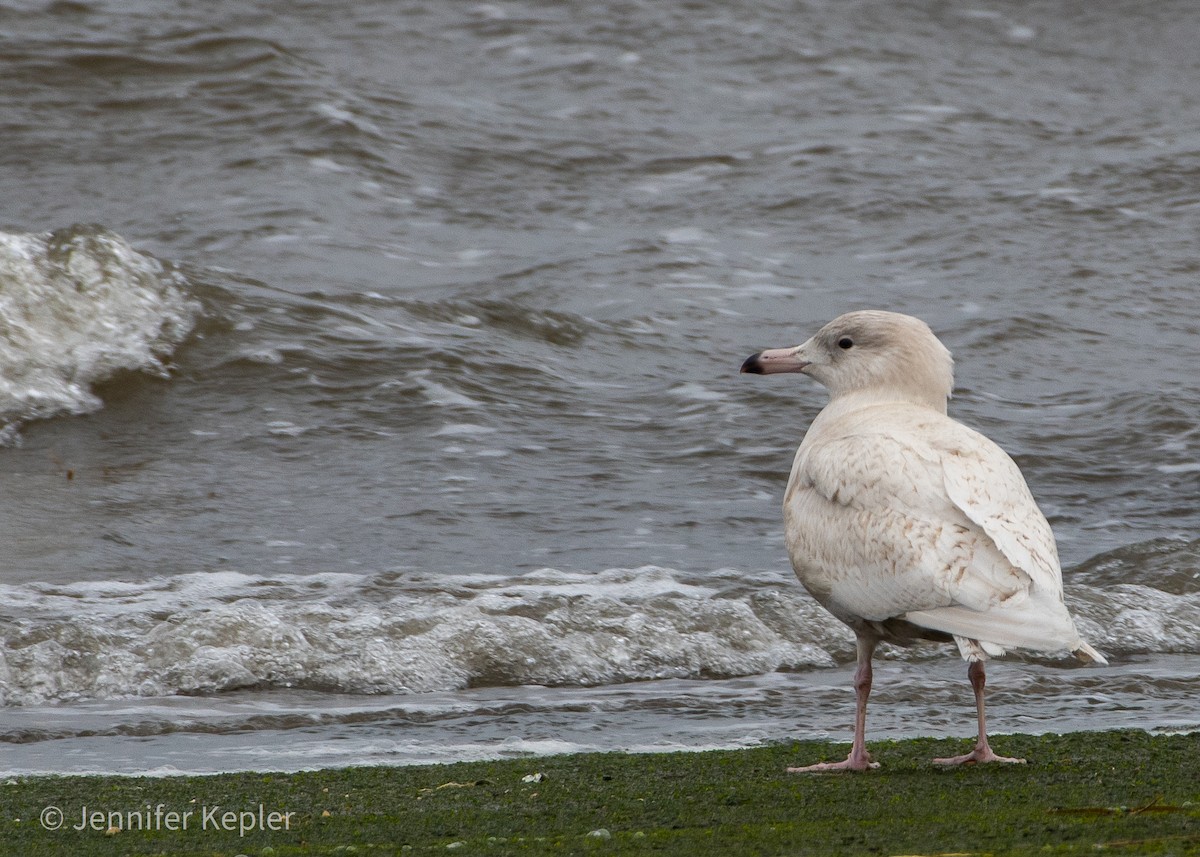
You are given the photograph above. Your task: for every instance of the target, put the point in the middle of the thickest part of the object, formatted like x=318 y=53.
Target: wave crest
x=78 y=305
x=219 y=631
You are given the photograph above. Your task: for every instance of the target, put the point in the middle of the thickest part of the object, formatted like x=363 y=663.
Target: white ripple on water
x=1185 y=467
x=685 y=235
x=463 y=430
x=441 y=395
x=345 y=116
x=695 y=392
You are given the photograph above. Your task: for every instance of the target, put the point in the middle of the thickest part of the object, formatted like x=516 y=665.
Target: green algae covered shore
x=1083 y=793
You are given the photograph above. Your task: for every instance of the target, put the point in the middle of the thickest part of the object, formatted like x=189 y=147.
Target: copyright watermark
x=160 y=817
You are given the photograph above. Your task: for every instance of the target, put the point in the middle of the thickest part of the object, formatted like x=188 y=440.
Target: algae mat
x=1082 y=793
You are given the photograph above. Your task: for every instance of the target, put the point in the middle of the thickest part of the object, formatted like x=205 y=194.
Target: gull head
x=882 y=354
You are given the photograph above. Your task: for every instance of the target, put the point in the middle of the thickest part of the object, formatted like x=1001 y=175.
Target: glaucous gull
x=906 y=524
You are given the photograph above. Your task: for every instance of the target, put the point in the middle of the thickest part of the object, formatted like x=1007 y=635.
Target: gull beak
x=775 y=360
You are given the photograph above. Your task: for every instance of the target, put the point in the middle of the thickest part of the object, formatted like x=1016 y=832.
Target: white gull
x=906 y=524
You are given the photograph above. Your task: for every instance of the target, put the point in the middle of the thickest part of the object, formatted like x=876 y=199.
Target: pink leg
x=982 y=752
x=859 y=759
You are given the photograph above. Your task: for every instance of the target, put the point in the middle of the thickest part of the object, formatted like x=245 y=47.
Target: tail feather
x=1087 y=654
x=991 y=632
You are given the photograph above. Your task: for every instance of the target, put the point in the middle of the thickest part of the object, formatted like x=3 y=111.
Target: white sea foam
x=76 y=306
x=204 y=633
x=361 y=634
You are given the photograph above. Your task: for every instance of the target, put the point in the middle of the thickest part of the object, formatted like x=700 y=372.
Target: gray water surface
x=398 y=367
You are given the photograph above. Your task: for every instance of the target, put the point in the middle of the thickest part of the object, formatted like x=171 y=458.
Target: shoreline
x=290 y=730
x=1126 y=789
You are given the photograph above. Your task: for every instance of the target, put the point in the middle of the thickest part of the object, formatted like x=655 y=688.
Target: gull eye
x=845 y=343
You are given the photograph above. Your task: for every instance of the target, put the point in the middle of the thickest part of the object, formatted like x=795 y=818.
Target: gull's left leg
x=982 y=752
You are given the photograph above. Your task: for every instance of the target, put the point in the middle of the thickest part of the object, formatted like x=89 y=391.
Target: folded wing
x=906 y=513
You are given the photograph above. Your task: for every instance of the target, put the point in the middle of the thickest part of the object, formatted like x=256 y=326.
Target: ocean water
x=368 y=377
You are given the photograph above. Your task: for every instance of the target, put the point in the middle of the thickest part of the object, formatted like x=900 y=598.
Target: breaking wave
x=78 y=305
x=392 y=633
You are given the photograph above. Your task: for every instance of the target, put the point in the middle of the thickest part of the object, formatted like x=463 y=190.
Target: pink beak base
x=773 y=361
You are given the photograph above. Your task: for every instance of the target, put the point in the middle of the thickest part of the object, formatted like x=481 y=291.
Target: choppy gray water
x=389 y=411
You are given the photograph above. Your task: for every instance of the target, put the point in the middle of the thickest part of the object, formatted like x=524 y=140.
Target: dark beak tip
x=752 y=365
